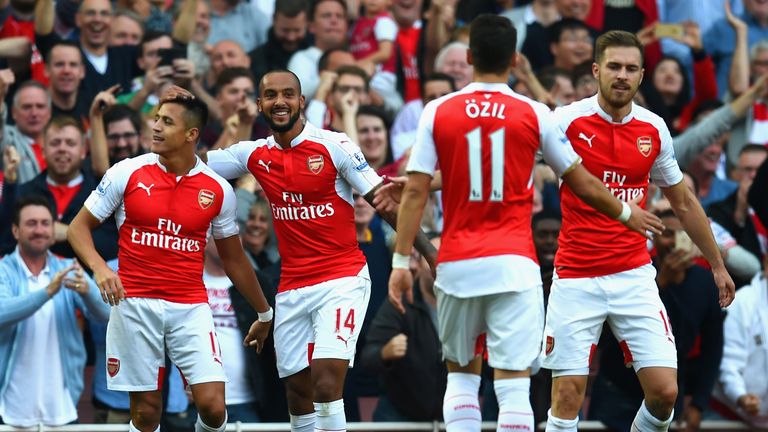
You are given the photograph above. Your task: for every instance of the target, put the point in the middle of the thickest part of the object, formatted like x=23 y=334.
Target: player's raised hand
x=725 y=285
x=400 y=282
x=642 y=221
x=387 y=197
x=109 y=284
x=257 y=335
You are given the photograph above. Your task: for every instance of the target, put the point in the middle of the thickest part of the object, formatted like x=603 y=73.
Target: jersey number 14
x=474 y=141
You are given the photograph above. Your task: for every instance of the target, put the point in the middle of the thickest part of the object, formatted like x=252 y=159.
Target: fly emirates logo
x=294 y=209
x=167 y=237
x=619 y=191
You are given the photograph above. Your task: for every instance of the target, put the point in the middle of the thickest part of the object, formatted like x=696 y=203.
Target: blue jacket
x=17 y=304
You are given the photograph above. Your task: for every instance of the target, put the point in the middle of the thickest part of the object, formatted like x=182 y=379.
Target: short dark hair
x=316 y=3
x=30 y=200
x=546 y=214
x=375 y=111
x=151 y=35
x=63 y=43
x=352 y=70
x=322 y=64
x=195 y=110
x=274 y=71
x=753 y=148
x=291 y=8
x=548 y=76
x=119 y=112
x=438 y=76
x=556 y=30
x=492 y=40
x=704 y=106
x=230 y=74
x=617 y=38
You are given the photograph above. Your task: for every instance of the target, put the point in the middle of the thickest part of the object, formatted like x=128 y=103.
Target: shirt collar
x=72 y=183
x=308 y=130
x=28 y=274
x=491 y=87
x=605 y=116
x=199 y=166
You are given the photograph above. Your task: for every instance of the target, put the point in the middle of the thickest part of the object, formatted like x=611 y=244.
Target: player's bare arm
x=241 y=273
x=414 y=199
x=593 y=192
x=80 y=238
x=688 y=209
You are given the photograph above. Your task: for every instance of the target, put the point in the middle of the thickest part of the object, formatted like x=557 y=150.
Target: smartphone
x=168 y=55
x=674 y=31
x=683 y=241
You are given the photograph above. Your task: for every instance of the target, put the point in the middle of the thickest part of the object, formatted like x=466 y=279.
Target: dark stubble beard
x=283 y=128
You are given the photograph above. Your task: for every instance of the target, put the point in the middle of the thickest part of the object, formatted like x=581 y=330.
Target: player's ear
x=302 y=102
x=469 y=57
x=258 y=105
x=595 y=70
x=193 y=134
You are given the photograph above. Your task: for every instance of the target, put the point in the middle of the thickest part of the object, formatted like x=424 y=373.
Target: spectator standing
x=287 y=36
x=42 y=355
x=31 y=111
x=66 y=72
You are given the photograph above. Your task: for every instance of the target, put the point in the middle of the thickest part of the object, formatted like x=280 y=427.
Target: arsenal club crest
x=645 y=145
x=113 y=366
x=550 y=345
x=315 y=164
x=205 y=198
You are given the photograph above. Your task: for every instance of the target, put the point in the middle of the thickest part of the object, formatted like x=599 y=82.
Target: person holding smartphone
x=164 y=64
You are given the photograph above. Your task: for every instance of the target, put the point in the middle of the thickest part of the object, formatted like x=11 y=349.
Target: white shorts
x=142 y=330
x=629 y=301
x=513 y=323
x=320 y=321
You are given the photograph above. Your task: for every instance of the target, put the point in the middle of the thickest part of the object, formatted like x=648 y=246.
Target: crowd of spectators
x=80 y=80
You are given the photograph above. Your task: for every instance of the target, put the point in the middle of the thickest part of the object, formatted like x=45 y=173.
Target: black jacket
x=746 y=236
x=261 y=368
x=271 y=56
x=104 y=237
x=415 y=384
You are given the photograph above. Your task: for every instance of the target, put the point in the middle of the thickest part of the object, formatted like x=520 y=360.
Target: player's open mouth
x=157 y=138
x=280 y=113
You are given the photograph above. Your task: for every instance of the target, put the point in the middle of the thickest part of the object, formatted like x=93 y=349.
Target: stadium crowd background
x=80 y=82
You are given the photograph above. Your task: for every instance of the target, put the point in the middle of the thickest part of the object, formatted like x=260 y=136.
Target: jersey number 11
x=474 y=140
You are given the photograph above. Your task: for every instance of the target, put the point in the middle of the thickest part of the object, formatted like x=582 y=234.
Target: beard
x=284 y=127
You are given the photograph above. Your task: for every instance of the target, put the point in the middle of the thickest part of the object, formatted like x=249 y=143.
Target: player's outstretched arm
x=241 y=273
x=593 y=192
x=406 y=223
x=81 y=239
x=688 y=209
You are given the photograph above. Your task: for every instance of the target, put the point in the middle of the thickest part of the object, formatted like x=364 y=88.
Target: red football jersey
x=309 y=187
x=485 y=138
x=368 y=32
x=623 y=156
x=163 y=223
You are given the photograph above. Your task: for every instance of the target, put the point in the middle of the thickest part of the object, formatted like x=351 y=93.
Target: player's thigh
x=576 y=310
x=135 y=350
x=338 y=311
x=639 y=320
x=460 y=321
x=514 y=323
x=192 y=343
x=293 y=334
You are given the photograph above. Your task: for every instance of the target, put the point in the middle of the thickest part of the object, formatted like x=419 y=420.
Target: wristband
x=266 y=316
x=400 y=261
x=626 y=212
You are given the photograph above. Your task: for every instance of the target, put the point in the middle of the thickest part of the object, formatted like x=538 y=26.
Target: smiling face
x=65 y=69
x=169 y=131
x=122 y=140
x=372 y=134
x=256 y=233
x=64 y=152
x=619 y=75
x=573 y=48
x=290 y=31
x=280 y=100
x=34 y=233
x=94 y=19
